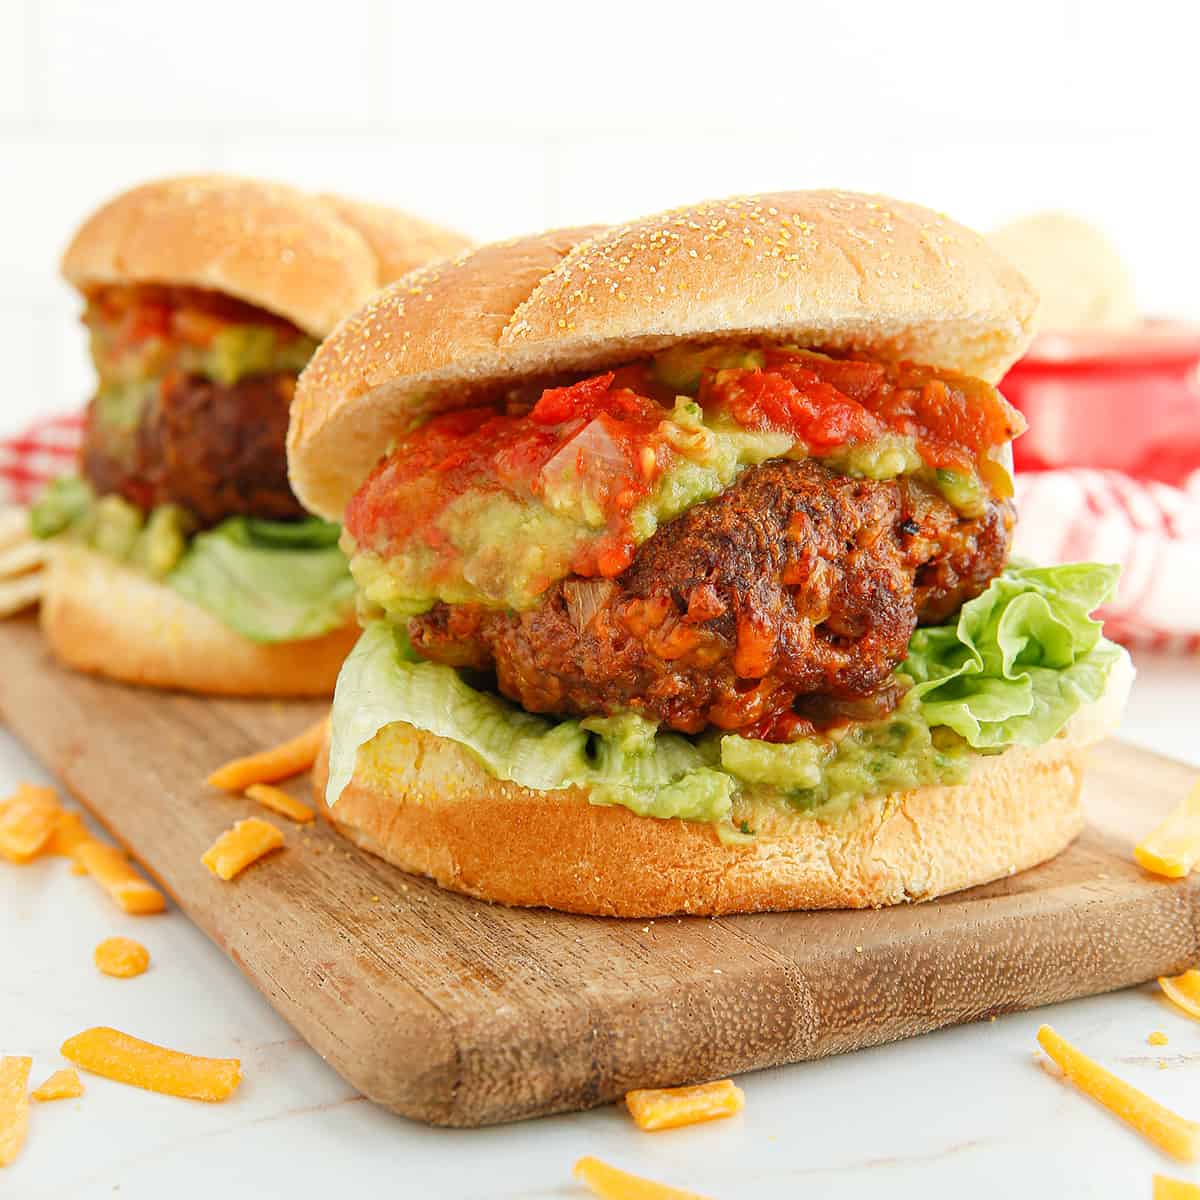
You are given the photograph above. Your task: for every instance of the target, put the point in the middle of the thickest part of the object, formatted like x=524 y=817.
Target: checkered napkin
x=1151 y=529
x=30 y=459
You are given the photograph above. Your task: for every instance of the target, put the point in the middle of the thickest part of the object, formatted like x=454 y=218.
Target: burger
x=184 y=560
x=682 y=555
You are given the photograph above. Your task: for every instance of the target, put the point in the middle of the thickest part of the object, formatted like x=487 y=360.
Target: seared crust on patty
x=215 y=449
x=796 y=581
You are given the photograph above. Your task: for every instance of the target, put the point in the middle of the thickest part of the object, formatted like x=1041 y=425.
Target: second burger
x=183 y=558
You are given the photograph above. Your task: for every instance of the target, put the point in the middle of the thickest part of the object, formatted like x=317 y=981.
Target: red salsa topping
x=609 y=437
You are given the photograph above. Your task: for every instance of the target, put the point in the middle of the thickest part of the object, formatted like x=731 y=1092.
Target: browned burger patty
x=215 y=449
x=796 y=581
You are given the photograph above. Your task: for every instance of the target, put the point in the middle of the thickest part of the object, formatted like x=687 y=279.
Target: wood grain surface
x=457 y=1012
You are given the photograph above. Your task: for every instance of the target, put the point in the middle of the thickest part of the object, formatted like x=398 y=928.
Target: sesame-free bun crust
x=427 y=806
x=105 y=619
x=309 y=258
x=826 y=269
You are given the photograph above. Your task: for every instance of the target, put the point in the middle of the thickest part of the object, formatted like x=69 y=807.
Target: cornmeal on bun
x=182 y=557
x=682 y=549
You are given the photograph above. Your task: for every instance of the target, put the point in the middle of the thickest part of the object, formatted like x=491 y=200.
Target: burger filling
x=724 y=572
x=184 y=471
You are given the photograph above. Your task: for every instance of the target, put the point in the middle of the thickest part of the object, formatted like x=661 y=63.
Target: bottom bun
x=106 y=619
x=425 y=804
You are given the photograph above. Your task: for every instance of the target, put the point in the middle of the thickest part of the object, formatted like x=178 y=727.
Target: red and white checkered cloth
x=31 y=459
x=1150 y=529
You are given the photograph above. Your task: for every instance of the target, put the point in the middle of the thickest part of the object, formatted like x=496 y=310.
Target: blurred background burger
x=182 y=557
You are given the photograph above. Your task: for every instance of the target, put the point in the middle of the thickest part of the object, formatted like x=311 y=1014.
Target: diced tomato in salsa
x=605 y=435
x=828 y=402
x=135 y=313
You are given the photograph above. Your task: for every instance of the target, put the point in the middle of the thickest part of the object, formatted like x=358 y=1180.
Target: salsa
x=830 y=402
x=493 y=504
x=142 y=332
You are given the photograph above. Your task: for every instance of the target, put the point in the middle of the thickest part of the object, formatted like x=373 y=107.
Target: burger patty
x=796 y=582
x=215 y=449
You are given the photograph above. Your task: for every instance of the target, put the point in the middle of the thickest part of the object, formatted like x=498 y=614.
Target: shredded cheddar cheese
x=1173 y=849
x=1157 y=1038
x=62 y=1085
x=240 y=846
x=269 y=766
x=1167 y=1130
x=1183 y=991
x=14 y=1106
x=277 y=800
x=1174 y=1189
x=69 y=833
x=121 y=957
x=668 y=1108
x=27 y=822
x=127 y=1059
x=108 y=867
x=610 y=1184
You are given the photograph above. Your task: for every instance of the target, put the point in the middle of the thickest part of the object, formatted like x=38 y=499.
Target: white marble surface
x=962 y=1112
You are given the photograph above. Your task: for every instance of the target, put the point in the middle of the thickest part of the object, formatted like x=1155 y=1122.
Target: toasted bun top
x=831 y=269
x=311 y=259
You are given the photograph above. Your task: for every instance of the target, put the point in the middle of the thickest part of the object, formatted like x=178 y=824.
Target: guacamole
x=492 y=507
x=1011 y=668
x=270 y=581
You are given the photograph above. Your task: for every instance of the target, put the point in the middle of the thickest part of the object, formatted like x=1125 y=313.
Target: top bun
x=309 y=258
x=824 y=269
x=1082 y=281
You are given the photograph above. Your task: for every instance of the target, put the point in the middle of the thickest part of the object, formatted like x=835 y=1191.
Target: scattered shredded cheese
x=1173 y=849
x=1167 y=1130
x=69 y=833
x=121 y=957
x=127 y=1059
x=1174 y=1189
x=14 y=1106
x=668 y=1108
x=610 y=1184
x=277 y=800
x=1183 y=991
x=108 y=867
x=1157 y=1038
x=240 y=846
x=27 y=822
x=62 y=1085
x=269 y=766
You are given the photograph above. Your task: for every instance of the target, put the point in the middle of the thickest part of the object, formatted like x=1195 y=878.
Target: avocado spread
x=506 y=505
x=271 y=581
x=1011 y=668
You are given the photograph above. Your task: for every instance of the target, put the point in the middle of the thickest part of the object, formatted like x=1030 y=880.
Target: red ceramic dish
x=1127 y=400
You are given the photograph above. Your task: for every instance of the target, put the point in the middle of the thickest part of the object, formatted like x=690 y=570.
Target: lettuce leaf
x=1021 y=659
x=1015 y=665
x=271 y=581
x=622 y=763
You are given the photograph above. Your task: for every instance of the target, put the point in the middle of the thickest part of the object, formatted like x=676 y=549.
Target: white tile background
x=501 y=118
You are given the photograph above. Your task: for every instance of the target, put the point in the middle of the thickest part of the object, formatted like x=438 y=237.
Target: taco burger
x=682 y=551
x=182 y=558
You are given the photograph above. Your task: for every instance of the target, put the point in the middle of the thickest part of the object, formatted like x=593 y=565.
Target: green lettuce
x=1021 y=659
x=622 y=760
x=1015 y=665
x=271 y=581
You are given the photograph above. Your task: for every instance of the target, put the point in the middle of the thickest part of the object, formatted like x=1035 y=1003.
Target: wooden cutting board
x=462 y=1013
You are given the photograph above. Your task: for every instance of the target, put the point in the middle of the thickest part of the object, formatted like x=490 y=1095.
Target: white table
x=963 y=1112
